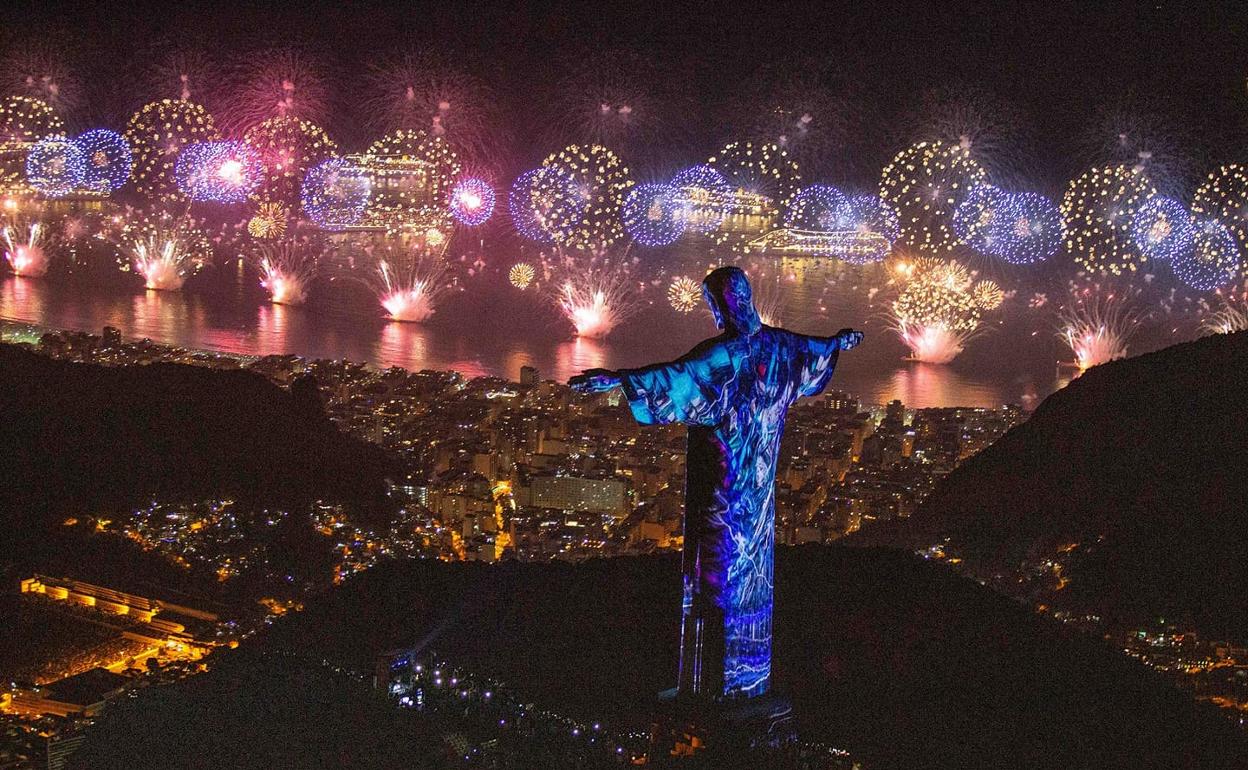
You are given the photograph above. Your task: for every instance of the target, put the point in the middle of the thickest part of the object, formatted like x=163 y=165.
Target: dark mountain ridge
x=86 y=438
x=1137 y=469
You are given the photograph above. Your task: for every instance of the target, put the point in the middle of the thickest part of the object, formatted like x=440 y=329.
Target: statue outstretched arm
x=692 y=390
x=595 y=381
x=848 y=339
x=816 y=358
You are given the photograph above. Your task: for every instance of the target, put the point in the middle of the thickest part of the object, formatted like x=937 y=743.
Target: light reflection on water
x=493 y=330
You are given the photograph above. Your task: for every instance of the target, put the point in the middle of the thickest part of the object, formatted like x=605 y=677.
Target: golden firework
x=579 y=195
x=925 y=183
x=156 y=134
x=521 y=275
x=269 y=221
x=684 y=294
x=1099 y=210
x=988 y=295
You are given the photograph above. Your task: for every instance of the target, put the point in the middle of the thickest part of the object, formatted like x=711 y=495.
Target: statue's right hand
x=848 y=339
x=594 y=381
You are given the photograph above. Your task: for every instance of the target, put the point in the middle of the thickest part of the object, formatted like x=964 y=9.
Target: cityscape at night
x=570 y=386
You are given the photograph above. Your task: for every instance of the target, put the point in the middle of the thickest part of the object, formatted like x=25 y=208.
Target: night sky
x=1054 y=76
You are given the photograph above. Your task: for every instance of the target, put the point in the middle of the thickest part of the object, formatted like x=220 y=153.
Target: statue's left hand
x=595 y=381
x=848 y=339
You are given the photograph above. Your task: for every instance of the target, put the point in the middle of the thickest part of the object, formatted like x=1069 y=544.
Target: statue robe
x=733 y=391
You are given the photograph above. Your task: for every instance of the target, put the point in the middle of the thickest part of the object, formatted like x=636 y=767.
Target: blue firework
x=220 y=172
x=55 y=167
x=107 y=159
x=1212 y=261
x=701 y=187
x=1026 y=228
x=335 y=194
x=815 y=208
x=472 y=201
x=1163 y=229
x=973 y=217
x=653 y=214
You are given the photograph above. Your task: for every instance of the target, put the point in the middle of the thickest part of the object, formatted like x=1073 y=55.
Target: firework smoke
x=37 y=70
x=277 y=84
x=420 y=91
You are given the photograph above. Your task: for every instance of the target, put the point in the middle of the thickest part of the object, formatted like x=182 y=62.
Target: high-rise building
x=62 y=746
x=529 y=375
x=569 y=493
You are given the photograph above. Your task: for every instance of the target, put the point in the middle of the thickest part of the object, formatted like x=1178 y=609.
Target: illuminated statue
x=733 y=392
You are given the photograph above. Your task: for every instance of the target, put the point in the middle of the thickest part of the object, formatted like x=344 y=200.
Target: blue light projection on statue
x=733 y=391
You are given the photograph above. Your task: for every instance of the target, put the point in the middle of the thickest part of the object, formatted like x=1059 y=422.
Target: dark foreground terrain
x=896 y=659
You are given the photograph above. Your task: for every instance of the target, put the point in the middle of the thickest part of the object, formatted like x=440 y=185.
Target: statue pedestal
x=689 y=730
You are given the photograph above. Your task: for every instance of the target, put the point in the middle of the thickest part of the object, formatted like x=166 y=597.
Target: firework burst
x=1214 y=258
x=594 y=289
x=988 y=295
x=55 y=167
x=165 y=249
x=1097 y=321
x=684 y=294
x=26 y=248
x=269 y=221
x=23 y=122
x=287 y=147
x=581 y=193
x=408 y=274
x=939 y=310
x=157 y=133
x=1099 y=210
x=700 y=189
x=758 y=172
x=422 y=170
x=107 y=160
x=1224 y=196
x=925 y=184
x=1229 y=315
x=472 y=201
x=1163 y=229
x=221 y=172
x=287 y=268
x=521 y=275
x=653 y=214
x=335 y=194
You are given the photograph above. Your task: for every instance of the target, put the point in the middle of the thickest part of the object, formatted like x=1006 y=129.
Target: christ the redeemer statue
x=733 y=392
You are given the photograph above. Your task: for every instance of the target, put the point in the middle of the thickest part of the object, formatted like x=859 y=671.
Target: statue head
x=727 y=291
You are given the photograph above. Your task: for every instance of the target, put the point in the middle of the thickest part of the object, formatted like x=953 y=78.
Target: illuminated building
x=568 y=493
